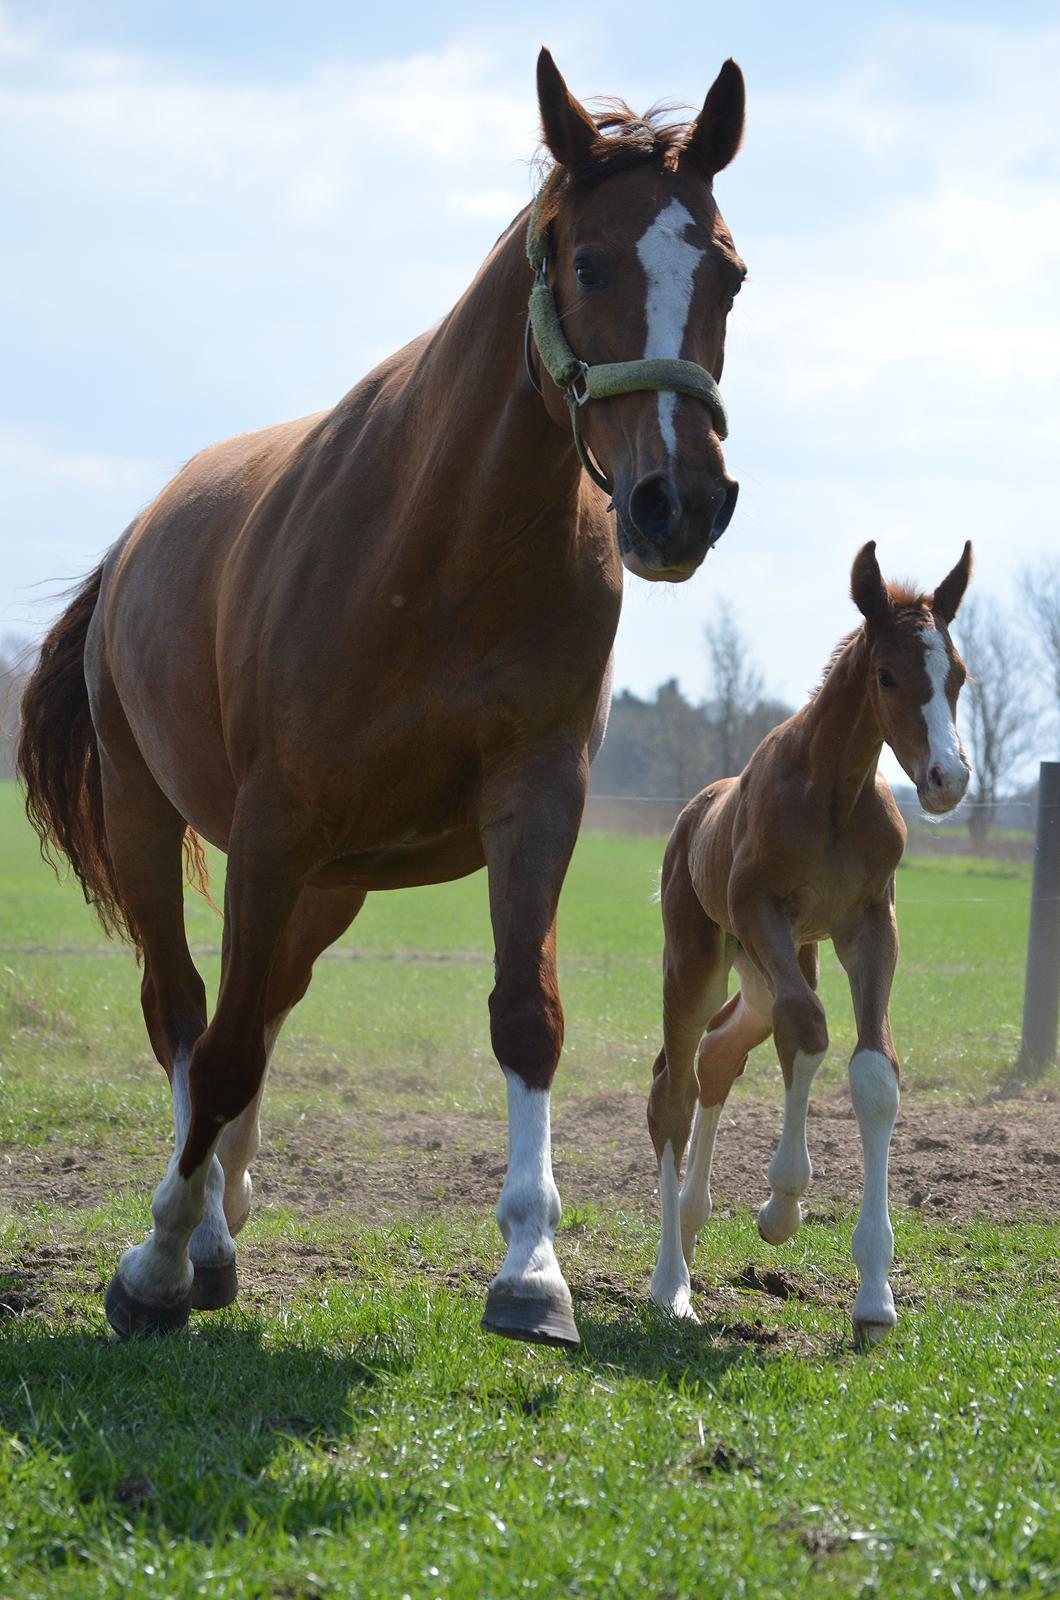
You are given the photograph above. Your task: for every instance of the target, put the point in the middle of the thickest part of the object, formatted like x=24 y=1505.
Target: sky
x=219 y=215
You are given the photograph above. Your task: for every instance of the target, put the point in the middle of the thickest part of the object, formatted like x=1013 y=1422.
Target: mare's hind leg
x=152 y=1288
x=741 y=1024
x=869 y=954
x=145 y=836
x=320 y=917
x=695 y=972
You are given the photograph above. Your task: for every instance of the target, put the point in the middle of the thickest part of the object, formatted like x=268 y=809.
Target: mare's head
x=642 y=265
x=916 y=675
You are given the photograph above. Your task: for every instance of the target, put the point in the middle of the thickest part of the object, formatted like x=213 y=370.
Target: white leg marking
x=696 y=1202
x=240 y=1142
x=159 y=1271
x=790 y=1170
x=874 y=1091
x=669 y=263
x=944 y=744
x=528 y=1210
x=670 y=1286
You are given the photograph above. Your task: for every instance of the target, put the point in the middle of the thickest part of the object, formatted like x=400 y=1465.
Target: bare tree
x=1040 y=586
x=1000 y=717
x=736 y=687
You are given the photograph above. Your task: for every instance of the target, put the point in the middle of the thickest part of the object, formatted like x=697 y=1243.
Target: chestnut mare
x=370 y=649
x=803 y=846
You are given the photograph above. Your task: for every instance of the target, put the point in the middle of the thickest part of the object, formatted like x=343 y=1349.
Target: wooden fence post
x=1041 y=995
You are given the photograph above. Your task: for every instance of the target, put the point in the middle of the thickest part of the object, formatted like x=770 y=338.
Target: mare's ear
x=568 y=128
x=867 y=588
x=716 y=136
x=950 y=592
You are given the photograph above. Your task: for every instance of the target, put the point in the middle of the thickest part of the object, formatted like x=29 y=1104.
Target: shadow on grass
x=203 y=1433
x=644 y=1343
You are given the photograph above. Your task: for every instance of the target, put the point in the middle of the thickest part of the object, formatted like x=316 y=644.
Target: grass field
x=346 y=1430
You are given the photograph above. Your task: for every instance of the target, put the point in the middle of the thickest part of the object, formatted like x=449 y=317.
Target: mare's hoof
x=537 y=1318
x=216 y=1285
x=129 y=1316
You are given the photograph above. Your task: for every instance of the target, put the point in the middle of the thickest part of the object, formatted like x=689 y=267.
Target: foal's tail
x=58 y=763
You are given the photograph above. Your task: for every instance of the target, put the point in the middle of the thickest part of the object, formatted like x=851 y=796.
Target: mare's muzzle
x=659 y=536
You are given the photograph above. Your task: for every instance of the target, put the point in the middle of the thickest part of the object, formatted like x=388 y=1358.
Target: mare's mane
x=625 y=140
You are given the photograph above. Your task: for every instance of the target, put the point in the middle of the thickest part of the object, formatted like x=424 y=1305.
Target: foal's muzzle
x=659 y=537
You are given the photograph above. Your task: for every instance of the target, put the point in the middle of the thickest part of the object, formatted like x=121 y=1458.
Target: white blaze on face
x=669 y=263
x=944 y=745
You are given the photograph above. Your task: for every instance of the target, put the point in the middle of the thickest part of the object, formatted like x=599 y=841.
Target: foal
x=803 y=846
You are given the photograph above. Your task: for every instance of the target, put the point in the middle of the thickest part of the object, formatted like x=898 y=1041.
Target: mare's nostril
x=935 y=777
x=654 y=506
x=723 y=516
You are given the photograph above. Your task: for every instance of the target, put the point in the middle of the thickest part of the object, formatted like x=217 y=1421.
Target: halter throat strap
x=581 y=382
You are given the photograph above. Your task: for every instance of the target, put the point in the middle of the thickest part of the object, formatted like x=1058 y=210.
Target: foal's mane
x=906 y=601
x=624 y=140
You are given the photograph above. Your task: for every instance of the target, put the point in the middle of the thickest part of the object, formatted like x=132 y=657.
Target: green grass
x=363 y=1438
x=348 y=1431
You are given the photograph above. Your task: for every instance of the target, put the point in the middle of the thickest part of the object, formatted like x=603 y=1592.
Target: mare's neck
x=845 y=737
x=471 y=380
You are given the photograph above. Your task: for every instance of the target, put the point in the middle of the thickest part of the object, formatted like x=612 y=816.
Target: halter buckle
x=583 y=379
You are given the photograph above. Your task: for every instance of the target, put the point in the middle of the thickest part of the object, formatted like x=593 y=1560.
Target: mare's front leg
x=801 y=1036
x=869 y=952
x=529 y=827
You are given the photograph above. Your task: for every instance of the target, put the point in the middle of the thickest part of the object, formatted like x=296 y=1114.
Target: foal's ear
x=568 y=128
x=716 y=136
x=950 y=592
x=867 y=588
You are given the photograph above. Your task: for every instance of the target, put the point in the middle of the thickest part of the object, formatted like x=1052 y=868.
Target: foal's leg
x=528 y=832
x=869 y=954
x=741 y=1024
x=801 y=1036
x=319 y=918
x=152 y=1289
x=694 y=980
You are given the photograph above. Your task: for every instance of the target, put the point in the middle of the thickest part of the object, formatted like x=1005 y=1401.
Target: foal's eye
x=885 y=679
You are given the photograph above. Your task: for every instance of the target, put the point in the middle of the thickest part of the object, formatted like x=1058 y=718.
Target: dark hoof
x=537 y=1318
x=215 y=1286
x=128 y=1316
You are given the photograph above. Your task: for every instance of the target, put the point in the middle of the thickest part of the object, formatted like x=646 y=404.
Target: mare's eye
x=885 y=679
x=588 y=273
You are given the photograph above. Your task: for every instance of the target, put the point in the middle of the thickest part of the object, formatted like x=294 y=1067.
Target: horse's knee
x=671 y=1103
x=799 y=1027
x=526 y=1031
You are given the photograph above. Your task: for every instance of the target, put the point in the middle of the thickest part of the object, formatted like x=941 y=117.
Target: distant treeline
x=668 y=748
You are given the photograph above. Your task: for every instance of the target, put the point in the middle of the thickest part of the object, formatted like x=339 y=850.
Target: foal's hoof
x=215 y=1285
x=537 y=1318
x=867 y=1334
x=779 y=1220
x=129 y=1316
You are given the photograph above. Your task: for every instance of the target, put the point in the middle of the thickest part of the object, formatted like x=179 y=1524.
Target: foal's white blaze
x=160 y=1271
x=944 y=745
x=874 y=1091
x=669 y=263
x=790 y=1170
x=670 y=1285
x=696 y=1202
x=529 y=1209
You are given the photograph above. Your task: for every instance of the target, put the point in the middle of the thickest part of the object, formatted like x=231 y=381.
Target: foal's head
x=916 y=675
x=642 y=266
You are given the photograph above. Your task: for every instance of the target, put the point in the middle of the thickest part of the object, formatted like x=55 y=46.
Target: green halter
x=576 y=378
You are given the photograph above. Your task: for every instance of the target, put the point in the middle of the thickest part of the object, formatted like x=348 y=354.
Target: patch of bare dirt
x=999 y=1161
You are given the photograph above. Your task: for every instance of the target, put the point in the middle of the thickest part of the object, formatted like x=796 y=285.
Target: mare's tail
x=58 y=763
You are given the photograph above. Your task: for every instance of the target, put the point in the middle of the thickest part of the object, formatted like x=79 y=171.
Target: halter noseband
x=581 y=382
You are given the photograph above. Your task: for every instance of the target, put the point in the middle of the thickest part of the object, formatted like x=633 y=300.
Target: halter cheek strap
x=581 y=382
